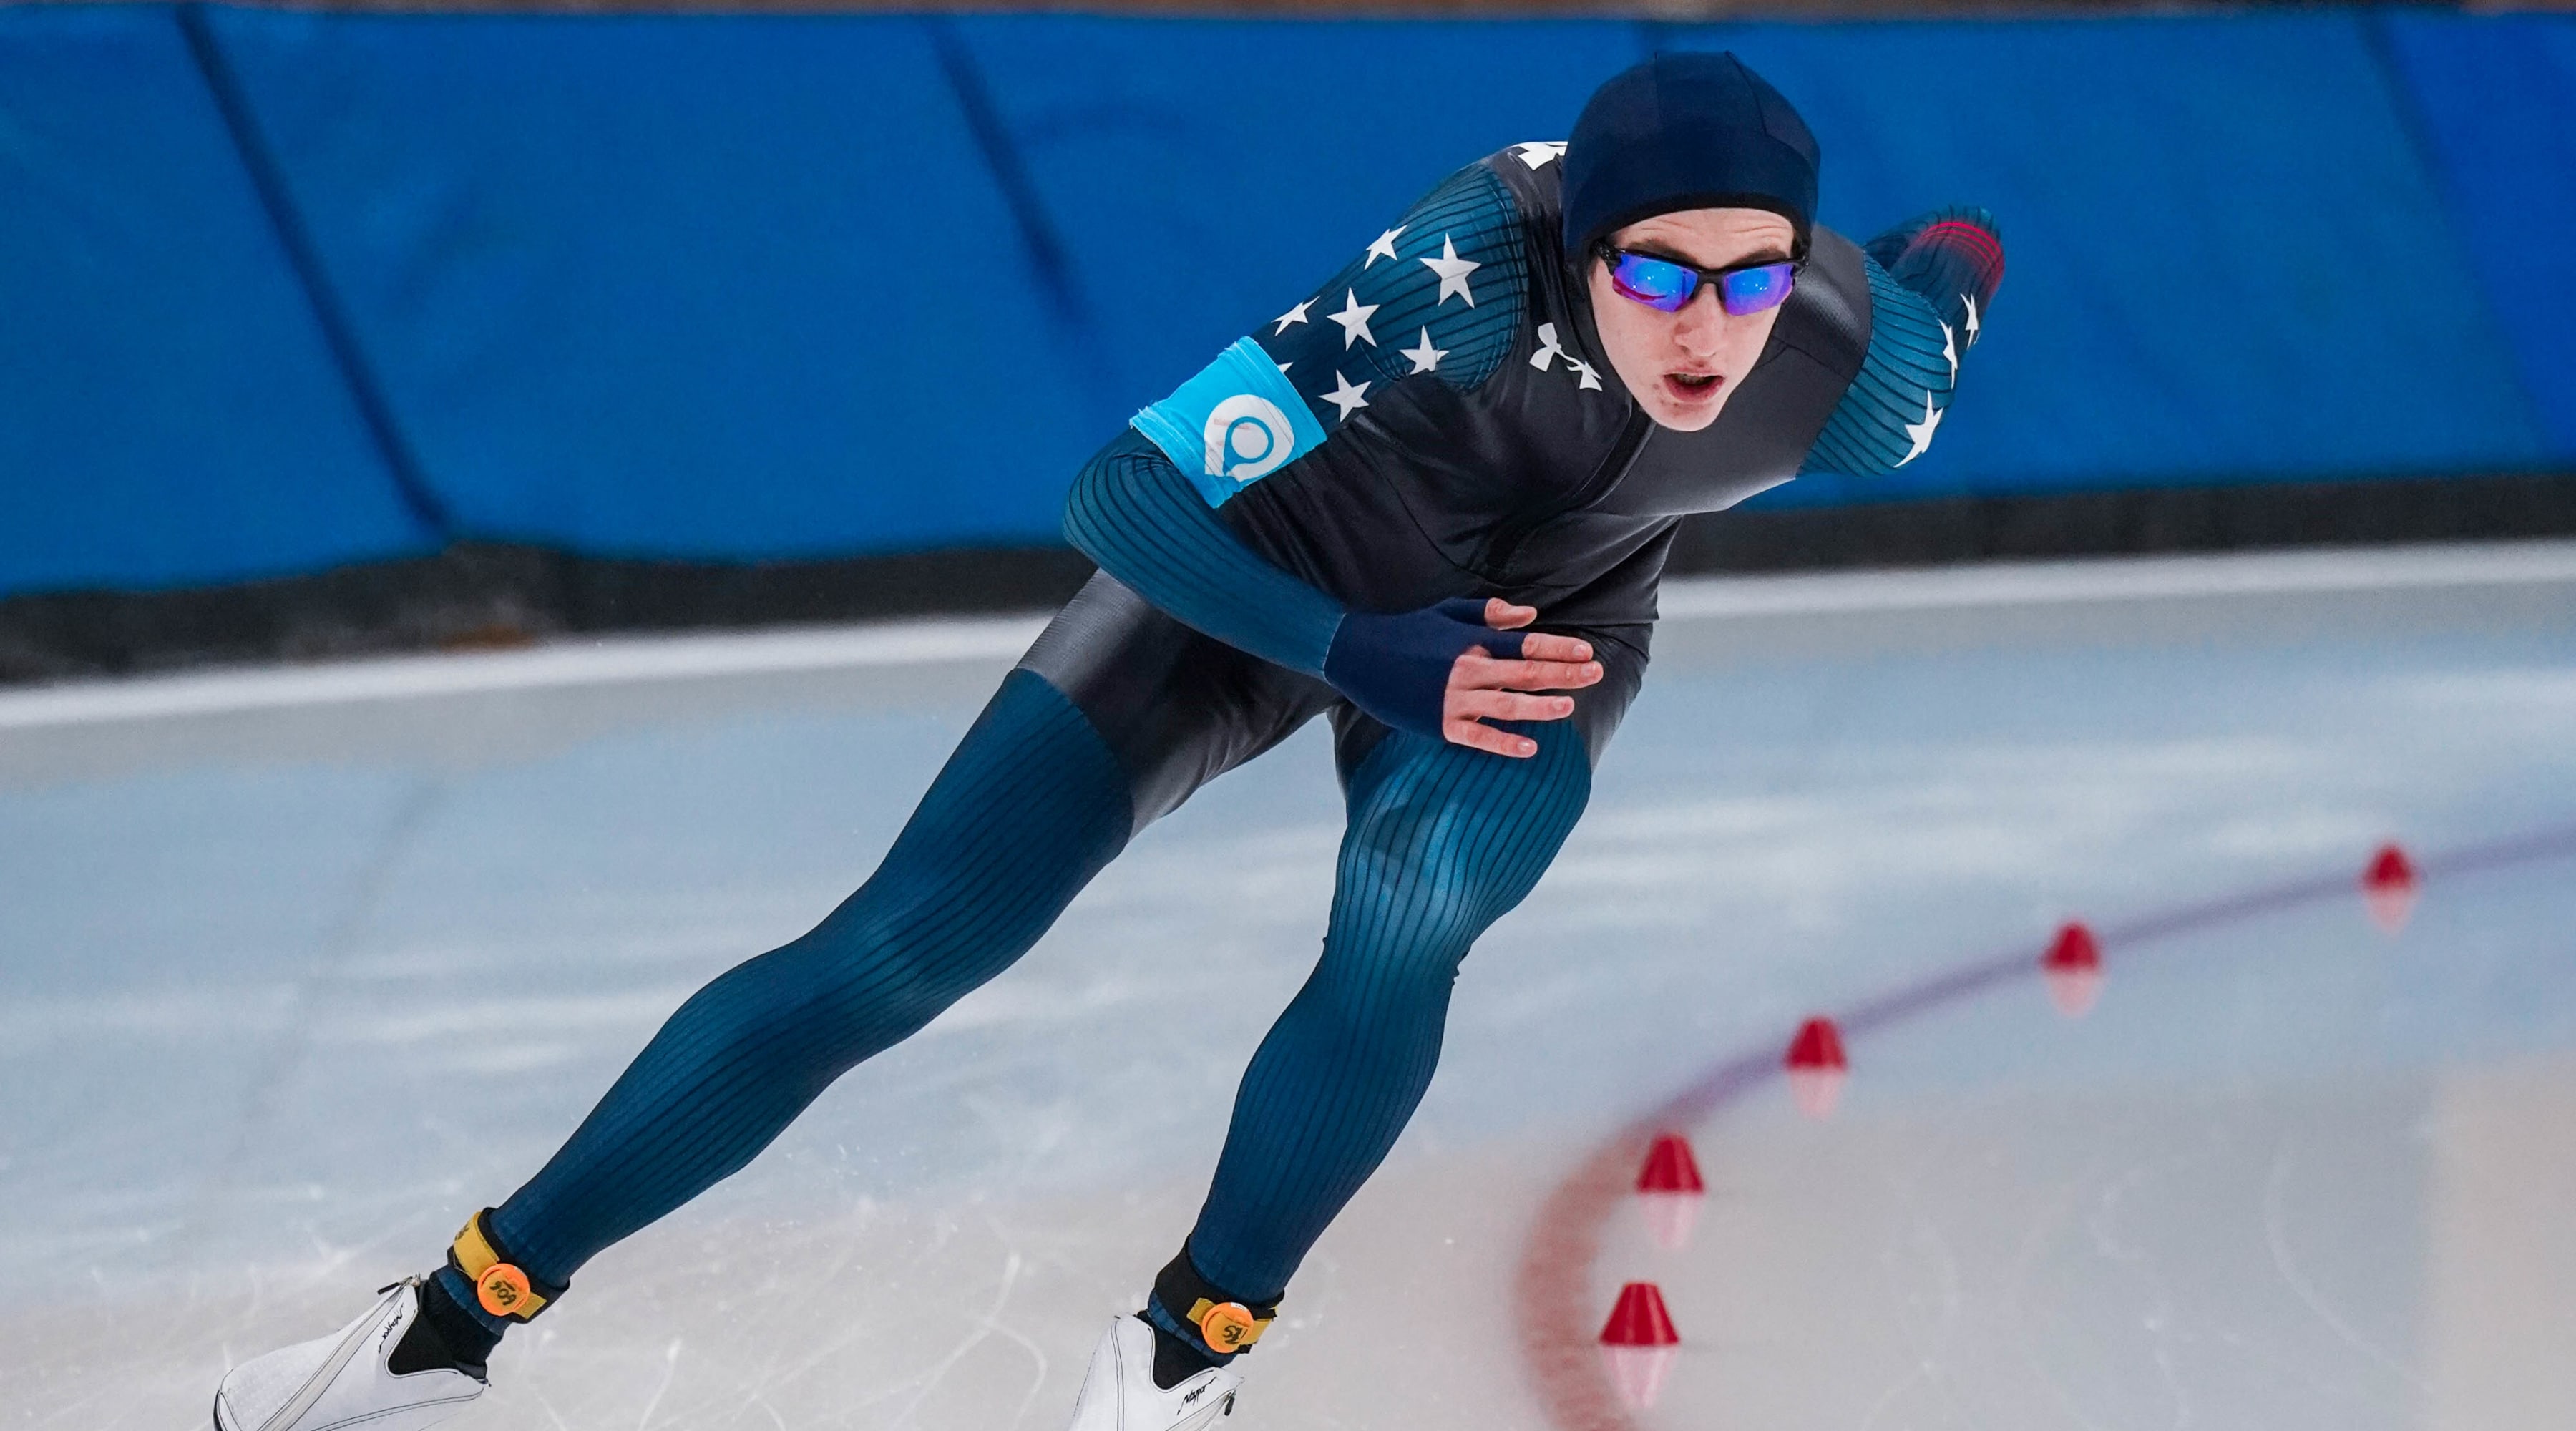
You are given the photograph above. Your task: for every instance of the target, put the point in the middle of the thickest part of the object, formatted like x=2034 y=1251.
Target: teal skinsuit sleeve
x=1133 y=512
x=1930 y=281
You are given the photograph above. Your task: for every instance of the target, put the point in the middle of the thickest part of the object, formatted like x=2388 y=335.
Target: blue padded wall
x=734 y=288
x=2497 y=99
x=1207 y=174
x=2204 y=221
x=169 y=413
x=687 y=286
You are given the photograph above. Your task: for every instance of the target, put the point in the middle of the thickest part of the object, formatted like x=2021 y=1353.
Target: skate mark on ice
x=2159 y=1318
x=2058 y=1213
x=1928 y=1334
x=670 y=1368
x=775 y=1373
x=2276 y=1237
x=288 y=1051
x=986 y=1325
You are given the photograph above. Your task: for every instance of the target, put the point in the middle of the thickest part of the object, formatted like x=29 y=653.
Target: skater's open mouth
x=1692 y=386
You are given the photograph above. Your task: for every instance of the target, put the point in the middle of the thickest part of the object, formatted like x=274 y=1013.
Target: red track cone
x=1638 y=1344
x=2388 y=888
x=2073 y=968
x=1639 y=1320
x=1817 y=1067
x=1670 y=1168
x=1669 y=1190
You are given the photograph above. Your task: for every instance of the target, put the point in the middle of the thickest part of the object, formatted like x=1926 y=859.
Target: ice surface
x=284 y=995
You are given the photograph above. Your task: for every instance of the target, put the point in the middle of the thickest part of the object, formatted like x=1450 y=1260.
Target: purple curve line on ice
x=1551 y=1290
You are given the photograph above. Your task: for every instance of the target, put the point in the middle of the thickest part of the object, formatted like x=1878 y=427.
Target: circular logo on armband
x=1247 y=437
x=502 y=1289
x=1228 y=1326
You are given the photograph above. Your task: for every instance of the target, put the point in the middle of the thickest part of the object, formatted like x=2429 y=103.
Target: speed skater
x=1431 y=501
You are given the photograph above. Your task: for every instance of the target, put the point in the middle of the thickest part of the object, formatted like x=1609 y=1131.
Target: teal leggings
x=1034 y=802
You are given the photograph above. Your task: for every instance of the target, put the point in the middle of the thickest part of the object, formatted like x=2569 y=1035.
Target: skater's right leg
x=1030 y=806
x=1114 y=717
x=1027 y=810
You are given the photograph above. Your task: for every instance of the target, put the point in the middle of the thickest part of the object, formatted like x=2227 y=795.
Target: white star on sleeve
x=1453 y=272
x=1950 y=350
x=1384 y=247
x=1346 y=396
x=1354 y=319
x=1920 y=433
x=1425 y=358
x=1283 y=367
x=1293 y=315
x=1971 y=300
x=1537 y=154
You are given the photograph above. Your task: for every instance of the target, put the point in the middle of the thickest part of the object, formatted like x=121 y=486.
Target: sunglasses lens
x=1653 y=282
x=1750 y=290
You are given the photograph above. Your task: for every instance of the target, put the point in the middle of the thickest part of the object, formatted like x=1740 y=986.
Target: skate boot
x=367 y=1374
x=1119 y=1392
x=412 y=1361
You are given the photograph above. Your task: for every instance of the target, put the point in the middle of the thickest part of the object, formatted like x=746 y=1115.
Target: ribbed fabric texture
x=1930 y=280
x=1027 y=810
x=1907 y=364
x=1134 y=513
x=1442 y=841
x=1470 y=216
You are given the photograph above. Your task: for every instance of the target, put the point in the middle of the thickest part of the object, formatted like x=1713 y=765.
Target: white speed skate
x=341 y=1381
x=1119 y=1394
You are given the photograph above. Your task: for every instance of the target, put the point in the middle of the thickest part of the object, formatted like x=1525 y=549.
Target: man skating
x=1488 y=422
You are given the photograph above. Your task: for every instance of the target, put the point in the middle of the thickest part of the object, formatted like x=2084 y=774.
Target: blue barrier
x=2203 y=220
x=1207 y=174
x=735 y=288
x=2497 y=95
x=684 y=286
x=169 y=411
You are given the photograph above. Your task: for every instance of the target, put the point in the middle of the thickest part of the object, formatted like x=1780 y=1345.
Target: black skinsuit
x=1517 y=467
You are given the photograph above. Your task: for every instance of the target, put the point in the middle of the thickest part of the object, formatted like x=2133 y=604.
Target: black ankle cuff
x=1176 y=1360
x=443 y=1335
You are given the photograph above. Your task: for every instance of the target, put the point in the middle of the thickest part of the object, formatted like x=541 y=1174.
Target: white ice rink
x=298 y=968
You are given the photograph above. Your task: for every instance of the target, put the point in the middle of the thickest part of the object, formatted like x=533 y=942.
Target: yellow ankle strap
x=503 y=1289
x=1228 y=1326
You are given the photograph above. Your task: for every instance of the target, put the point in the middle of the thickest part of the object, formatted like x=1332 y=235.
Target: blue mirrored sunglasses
x=1667 y=286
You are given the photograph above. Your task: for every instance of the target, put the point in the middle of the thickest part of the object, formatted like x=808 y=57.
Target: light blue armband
x=1235 y=423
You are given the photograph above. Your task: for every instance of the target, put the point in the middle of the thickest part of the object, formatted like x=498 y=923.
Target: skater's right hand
x=1484 y=687
x=1443 y=670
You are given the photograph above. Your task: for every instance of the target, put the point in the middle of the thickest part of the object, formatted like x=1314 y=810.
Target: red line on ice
x=1551 y=1289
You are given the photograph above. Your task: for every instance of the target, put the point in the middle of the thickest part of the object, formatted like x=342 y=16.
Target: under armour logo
x=1549 y=350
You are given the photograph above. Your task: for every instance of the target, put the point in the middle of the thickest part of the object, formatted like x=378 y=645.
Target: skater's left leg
x=1442 y=841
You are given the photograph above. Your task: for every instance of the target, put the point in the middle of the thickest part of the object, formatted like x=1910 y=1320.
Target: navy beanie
x=1685 y=131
